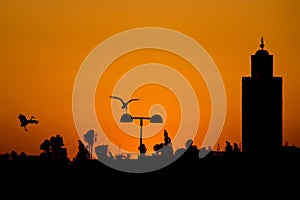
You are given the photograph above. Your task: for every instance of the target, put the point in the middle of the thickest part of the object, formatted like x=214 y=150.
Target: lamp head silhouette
x=126 y=118
x=156 y=119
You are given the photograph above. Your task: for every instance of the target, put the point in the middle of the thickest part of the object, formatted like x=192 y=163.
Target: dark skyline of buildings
x=261 y=107
x=261 y=138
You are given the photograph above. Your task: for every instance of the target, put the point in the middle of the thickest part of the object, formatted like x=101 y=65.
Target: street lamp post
x=142 y=150
x=153 y=119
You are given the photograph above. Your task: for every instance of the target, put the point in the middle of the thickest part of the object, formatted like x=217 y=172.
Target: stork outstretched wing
x=133 y=100
x=115 y=97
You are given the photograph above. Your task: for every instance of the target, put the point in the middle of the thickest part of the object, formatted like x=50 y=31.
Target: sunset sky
x=44 y=44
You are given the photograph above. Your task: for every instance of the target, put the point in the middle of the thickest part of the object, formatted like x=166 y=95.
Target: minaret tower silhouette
x=261 y=107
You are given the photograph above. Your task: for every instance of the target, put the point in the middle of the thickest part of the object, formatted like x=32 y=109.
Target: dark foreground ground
x=223 y=176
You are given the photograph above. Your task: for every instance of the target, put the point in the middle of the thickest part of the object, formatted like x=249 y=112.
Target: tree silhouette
x=54 y=150
x=236 y=148
x=102 y=152
x=5 y=157
x=22 y=155
x=228 y=147
x=167 y=139
x=83 y=154
x=157 y=148
x=46 y=150
x=14 y=155
x=59 y=151
x=218 y=147
x=165 y=148
x=90 y=138
x=191 y=150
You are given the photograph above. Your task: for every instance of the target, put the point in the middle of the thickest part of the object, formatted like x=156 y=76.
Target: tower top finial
x=262 y=43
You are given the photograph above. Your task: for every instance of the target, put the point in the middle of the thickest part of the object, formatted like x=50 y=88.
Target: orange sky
x=43 y=45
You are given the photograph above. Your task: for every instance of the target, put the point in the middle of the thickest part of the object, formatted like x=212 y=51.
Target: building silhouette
x=261 y=107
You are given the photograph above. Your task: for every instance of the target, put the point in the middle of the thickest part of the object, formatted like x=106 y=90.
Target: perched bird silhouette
x=124 y=104
x=24 y=121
